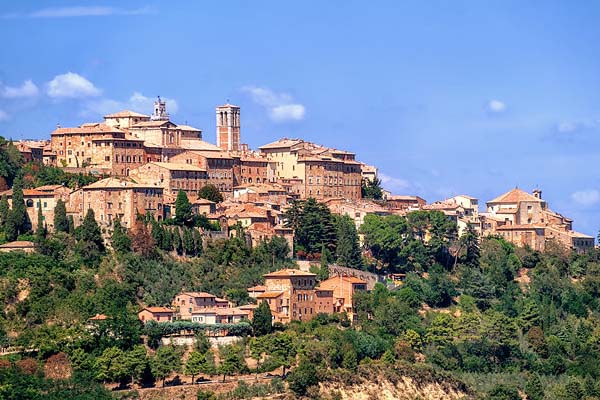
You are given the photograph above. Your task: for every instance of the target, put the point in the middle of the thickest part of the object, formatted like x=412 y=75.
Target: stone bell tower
x=228 y=127
x=160 y=111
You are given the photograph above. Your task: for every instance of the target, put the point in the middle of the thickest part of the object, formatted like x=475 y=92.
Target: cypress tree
x=183 y=209
x=197 y=241
x=121 y=242
x=71 y=224
x=61 y=223
x=40 y=232
x=4 y=210
x=10 y=227
x=177 y=243
x=90 y=244
x=19 y=212
x=347 y=250
x=188 y=242
x=262 y=322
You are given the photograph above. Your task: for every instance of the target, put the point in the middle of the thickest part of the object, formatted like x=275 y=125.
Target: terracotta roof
x=506 y=211
x=202 y=201
x=199 y=145
x=232 y=311
x=514 y=196
x=159 y=123
x=188 y=128
x=49 y=188
x=119 y=183
x=21 y=244
x=126 y=113
x=200 y=294
x=212 y=154
x=289 y=272
x=269 y=295
x=177 y=166
x=227 y=105
x=157 y=309
x=88 y=128
x=281 y=143
x=28 y=193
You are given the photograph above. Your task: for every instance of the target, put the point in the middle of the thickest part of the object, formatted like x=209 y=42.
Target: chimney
x=537 y=193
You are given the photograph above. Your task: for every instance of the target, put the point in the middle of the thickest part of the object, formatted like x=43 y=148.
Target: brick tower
x=228 y=127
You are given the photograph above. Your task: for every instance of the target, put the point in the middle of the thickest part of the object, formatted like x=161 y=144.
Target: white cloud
x=137 y=102
x=575 y=126
x=496 y=106
x=71 y=85
x=81 y=11
x=586 y=197
x=279 y=106
x=4 y=115
x=28 y=89
x=393 y=184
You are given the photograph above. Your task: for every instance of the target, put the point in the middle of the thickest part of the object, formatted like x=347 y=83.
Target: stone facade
x=172 y=177
x=117 y=198
x=292 y=295
x=526 y=220
x=324 y=172
x=218 y=166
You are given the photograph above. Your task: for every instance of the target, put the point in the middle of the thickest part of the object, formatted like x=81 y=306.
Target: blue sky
x=444 y=97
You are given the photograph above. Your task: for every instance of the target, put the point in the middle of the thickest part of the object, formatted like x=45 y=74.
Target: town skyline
x=456 y=133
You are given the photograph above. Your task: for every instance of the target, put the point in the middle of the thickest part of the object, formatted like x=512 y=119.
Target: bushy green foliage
x=262 y=323
x=210 y=192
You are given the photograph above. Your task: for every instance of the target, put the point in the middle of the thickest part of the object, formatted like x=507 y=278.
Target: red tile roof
x=514 y=196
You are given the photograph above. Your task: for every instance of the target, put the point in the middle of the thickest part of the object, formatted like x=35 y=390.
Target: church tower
x=228 y=127
x=160 y=111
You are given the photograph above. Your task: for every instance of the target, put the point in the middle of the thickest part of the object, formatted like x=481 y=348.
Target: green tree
x=371 y=189
x=503 y=392
x=210 y=192
x=348 y=249
x=19 y=211
x=137 y=361
x=314 y=226
x=282 y=349
x=232 y=360
x=303 y=377
x=11 y=230
x=262 y=321
x=40 y=232
x=534 y=389
x=90 y=244
x=189 y=246
x=4 y=210
x=121 y=242
x=194 y=363
x=166 y=360
x=197 y=241
x=183 y=209
x=61 y=223
x=111 y=365
x=258 y=346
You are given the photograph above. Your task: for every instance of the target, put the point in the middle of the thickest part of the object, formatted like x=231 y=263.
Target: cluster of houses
x=148 y=159
x=292 y=294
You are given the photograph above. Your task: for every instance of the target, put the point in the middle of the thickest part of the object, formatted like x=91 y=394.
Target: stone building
x=291 y=295
x=462 y=209
x=44 y=197
x=404 y=203
x=526 y=220
x=357 y=210
x=344 y=288
x=187 y=303
x=97 y=146
x=172 y=177
x=117 y=198
x=218 y=166
x=325 y=172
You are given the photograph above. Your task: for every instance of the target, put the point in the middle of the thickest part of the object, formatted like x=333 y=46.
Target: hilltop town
x=134 y=254
x=145 y=160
